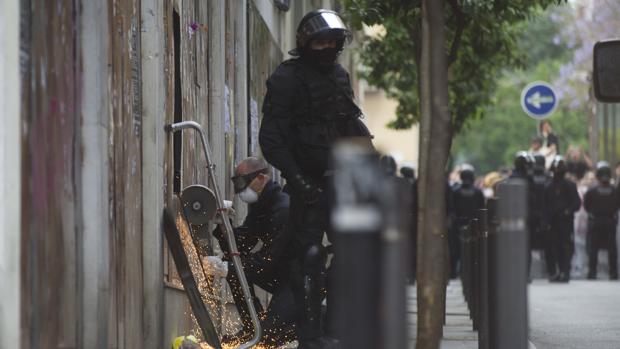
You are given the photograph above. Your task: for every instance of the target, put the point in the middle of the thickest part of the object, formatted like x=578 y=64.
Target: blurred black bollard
x=483 y=328
x=475 y=272
x=396 y=205
x=511 y=266
x=492 y=269
x=464 y=234
x=370 y=224
x=356 y=220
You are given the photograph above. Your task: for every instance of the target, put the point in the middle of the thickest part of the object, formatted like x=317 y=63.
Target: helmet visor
x=324 y=22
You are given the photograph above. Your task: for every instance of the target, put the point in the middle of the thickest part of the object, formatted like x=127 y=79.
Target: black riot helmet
x=325 y=24
x=522 y=162
x=388 y=165
x=558 y=167
x=603 y=172
x=407 y=172
x=467 y=174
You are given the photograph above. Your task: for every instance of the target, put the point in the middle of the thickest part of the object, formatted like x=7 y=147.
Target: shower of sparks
x=210 y=289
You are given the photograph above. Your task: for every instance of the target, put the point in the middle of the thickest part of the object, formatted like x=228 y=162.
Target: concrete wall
x=10 y=154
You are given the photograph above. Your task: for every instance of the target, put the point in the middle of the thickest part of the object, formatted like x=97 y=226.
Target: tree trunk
x=436 y=127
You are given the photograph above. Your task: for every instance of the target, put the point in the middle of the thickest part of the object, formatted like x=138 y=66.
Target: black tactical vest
x=466 y=202
x=537 y=192
x=603 y=202
x=325 y=114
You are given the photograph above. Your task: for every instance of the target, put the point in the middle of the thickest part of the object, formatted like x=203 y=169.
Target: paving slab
x=457 y=331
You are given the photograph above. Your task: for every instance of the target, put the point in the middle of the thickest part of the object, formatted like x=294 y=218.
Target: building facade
x=86 y=89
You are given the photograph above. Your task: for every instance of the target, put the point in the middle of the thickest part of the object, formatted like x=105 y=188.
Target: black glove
x=309 y=191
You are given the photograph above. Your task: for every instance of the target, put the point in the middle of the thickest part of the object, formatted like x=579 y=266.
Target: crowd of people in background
x=573 y=206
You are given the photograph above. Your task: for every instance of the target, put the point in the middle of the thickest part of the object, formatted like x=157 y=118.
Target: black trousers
x=537 y=237
x=561 y=243
x=310 y=281
x=602 y=234
x=273 y=278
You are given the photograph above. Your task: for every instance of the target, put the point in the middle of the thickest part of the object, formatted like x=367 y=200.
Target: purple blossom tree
x=584 y=23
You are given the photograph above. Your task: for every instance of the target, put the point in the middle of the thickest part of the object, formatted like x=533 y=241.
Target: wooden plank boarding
x=189 y=282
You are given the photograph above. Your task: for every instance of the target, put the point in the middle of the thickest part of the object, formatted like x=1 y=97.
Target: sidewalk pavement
x=457 y=332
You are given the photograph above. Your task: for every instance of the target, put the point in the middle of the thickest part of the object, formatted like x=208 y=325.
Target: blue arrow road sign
x=539 y=100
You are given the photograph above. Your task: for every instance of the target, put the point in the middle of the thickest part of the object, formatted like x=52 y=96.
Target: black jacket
x=306 y=111
x=561 y=199
x=601 y=201
x=467 y=201
x=267 y=222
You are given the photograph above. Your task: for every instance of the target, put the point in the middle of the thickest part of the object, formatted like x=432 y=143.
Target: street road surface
x=581 y=314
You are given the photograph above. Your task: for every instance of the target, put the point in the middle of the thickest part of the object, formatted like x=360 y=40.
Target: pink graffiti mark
x=194 y=27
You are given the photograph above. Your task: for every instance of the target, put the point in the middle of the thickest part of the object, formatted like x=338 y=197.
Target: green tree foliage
x=481 y=42
x=492 y=142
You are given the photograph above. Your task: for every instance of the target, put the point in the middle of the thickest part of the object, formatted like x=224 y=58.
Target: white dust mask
x=248 y=195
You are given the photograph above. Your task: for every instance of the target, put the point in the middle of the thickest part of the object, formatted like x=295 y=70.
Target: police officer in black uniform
x=601 y=203
x=467 y=200
x=308 y=107
x=561 y=202
x=267 y=267
x=536 y=217
x=522 y=166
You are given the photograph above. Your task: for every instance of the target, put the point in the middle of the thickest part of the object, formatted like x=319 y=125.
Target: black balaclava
x=321 y=24
x=325 y=58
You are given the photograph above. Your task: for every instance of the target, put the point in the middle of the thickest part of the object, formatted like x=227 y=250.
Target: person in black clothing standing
x=539 y=237
x=466 y=200
x=266 y=222
x=308 y=107
x=522 y=165
x=601 y=203
x=561 y=202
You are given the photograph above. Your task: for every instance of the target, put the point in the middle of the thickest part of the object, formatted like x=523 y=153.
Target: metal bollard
x=491 y=272
x=511 y=270
x=475 y=273
x=466 y=268
x=357 y=222
x=394 y=267
x=370 y=221
x=483 y=328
